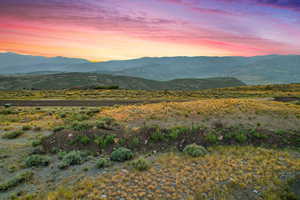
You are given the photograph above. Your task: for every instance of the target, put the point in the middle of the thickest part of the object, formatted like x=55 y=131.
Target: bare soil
x=286 y=99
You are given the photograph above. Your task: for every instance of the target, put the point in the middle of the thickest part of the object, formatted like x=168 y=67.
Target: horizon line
x=180 y=56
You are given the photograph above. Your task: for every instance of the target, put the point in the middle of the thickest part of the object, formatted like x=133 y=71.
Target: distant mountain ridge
x=251 y=70
x=86 y=80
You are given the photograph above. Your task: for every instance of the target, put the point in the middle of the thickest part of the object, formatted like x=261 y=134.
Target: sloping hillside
x=71 y=80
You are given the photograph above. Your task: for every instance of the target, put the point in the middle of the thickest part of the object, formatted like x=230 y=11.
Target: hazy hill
x=71 y=80
x=251 y=70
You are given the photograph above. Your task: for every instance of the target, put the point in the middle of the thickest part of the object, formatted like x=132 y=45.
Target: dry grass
x=226 y=171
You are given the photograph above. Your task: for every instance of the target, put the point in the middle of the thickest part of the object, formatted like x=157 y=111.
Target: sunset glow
x=124 y=29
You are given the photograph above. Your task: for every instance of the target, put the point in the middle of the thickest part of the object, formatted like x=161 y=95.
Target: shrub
x=7 y=112
x=211 y=138
x=104 y=141
x=83 y=139
x=8 y=105
x=140 y=164
x=240 y=137
x=195 y=150
x=36 y=143
x=37 y=161
x=16 y=180
x=121 y=154
x=122 y=141
x=92 y=112
x=157 y=136
x=80 y=126
x=176 y=132
x=12 y=135
x=79 y=117
x=26 y=128
x=134 y=142
x=280 y=132
x=102 y=162
x=62 y=115
x=72 y=158
x=105 y=123
x=58 y=128
x=259 y=135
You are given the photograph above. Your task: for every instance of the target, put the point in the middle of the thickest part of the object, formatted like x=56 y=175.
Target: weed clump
x=36 y=142
x=134 y=142
x=121 y=154
x=105 y=123
x=12 y=135
x=81 y=126
x=157 y=136
x=104 y=141
x=240 y=137
x=16 y=180
x=174 y=133
x=58 y=128
x=259 y=135
x=81 y=140
x=211 y=138
x=140 y=164
x=37 y=161
x=195 y=150
x=71 y=158
x=102 y=163
x=26 y=128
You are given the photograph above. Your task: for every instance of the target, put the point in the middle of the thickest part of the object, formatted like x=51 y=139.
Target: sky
x=100 y=30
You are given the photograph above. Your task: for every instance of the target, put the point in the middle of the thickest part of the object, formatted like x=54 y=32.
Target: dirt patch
x=90 y=103
x=150 y=139
x=286 y=99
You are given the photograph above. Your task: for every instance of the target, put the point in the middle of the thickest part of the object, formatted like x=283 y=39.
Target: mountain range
x=268 y=69
x=80 y=80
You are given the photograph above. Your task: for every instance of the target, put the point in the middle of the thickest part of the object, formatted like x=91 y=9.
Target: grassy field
x=249 y=145
x=234 y=92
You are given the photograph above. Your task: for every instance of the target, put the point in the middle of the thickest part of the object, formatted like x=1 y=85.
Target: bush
x=80 y=126
x=37 y=161
x=134 y=142
x=81 y=139
x=176 y=132
x=62 y=115
x=104 y=141
x=16 y=180
x=59 y=128
x=140 y=164
x=259 y=135
x=36 y=143
x=195 y=150
x=105 y=123
x=79 y=117
x=7 y=112
x=92 y=112
x=26 y=128
x=72 y=158
x=12 y=135
x=8 y=105
x=157 y=136
x=102 y=162
x=121 y=154
x=211 y=138
x=240 y=137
